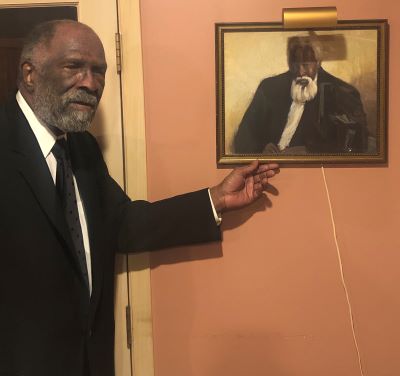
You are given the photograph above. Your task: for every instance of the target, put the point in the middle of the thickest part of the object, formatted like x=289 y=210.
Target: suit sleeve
x=141 y=225
x=180 y=220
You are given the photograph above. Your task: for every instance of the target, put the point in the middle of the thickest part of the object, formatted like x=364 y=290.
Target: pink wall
x=269 y=299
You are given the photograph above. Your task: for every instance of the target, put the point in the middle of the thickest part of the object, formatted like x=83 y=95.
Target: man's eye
x=101 y=73
x=72 y=66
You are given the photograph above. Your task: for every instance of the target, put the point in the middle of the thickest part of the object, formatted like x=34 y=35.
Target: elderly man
x=63 y=217
x=305 y=110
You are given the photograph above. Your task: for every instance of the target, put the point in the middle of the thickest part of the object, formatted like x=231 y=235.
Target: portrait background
x=252 y=56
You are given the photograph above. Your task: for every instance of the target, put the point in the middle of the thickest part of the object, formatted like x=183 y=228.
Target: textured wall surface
x=268 y=300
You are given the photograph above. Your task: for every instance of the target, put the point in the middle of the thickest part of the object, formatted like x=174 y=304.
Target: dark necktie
x=66 y=190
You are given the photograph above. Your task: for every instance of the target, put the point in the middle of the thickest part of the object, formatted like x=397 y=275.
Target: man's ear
x=28 y=76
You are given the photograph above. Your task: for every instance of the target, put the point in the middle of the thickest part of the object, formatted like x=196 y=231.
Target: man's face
x=302 y=62
x=70 y=79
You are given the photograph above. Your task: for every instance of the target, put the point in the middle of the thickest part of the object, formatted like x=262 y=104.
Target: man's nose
x=302 y=70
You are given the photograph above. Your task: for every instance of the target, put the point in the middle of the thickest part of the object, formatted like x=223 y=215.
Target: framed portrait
x=314 y=95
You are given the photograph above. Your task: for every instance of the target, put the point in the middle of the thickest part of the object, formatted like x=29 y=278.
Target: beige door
x=124 y=151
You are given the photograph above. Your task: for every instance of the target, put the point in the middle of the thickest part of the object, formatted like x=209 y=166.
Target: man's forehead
x=75 y=39
x=303 y=53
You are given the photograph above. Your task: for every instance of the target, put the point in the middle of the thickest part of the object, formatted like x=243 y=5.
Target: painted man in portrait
x=304 y=110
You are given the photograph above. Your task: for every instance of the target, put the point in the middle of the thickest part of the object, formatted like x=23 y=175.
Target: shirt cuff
x=217 y=217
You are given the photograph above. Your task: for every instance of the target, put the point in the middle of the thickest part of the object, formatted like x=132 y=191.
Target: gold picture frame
x=340 y=118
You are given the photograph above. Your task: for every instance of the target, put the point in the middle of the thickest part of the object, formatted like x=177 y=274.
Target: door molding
x=136 y=180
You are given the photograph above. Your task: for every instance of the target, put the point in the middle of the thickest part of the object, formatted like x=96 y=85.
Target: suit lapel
x=29 y=160
x=313 y=111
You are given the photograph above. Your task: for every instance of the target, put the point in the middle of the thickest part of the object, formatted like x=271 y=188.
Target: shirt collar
x=44 y=136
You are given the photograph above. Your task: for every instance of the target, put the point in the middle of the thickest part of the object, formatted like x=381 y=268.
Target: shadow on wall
x=198 y=252
x=236 y=218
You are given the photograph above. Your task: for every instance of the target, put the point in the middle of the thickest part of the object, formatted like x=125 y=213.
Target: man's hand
x=242 y=186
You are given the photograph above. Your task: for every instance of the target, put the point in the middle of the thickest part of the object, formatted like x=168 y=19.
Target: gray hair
x=40 y=36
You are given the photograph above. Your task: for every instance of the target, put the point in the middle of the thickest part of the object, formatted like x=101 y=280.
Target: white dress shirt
x=293 y=120
x=46 y=140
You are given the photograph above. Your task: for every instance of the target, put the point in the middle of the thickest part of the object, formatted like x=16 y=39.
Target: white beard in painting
x=303 y=89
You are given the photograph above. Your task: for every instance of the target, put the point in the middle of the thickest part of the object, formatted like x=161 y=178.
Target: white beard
x=302 y=94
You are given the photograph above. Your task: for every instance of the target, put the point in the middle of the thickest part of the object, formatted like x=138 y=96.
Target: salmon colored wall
x=269 y=299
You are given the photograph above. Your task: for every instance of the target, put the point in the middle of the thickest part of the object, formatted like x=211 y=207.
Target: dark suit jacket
x=323 y=127
x=48 y=324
